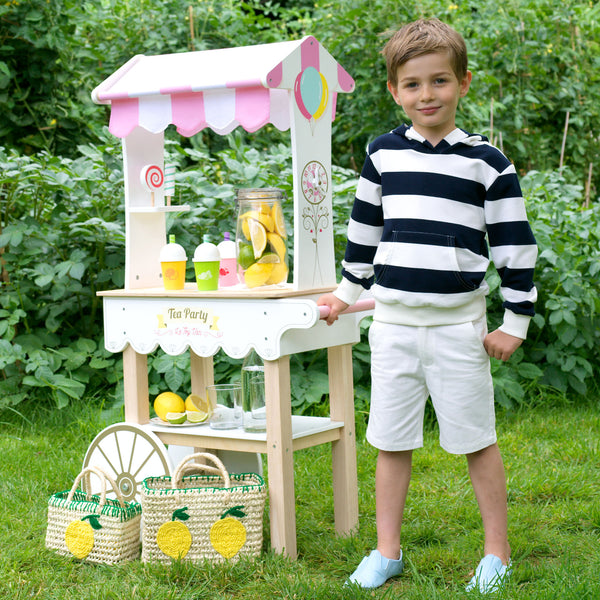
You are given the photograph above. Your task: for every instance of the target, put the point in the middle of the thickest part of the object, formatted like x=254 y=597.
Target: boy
x=427 y=196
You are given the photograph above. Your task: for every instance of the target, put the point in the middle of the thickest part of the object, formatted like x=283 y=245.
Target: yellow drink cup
x=173 y=274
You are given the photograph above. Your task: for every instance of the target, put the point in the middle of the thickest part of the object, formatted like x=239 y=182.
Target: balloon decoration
x=312 y=93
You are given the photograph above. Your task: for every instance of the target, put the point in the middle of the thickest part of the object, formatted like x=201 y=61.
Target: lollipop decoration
x=169 y=182
x=311 y=93
x=152 y=178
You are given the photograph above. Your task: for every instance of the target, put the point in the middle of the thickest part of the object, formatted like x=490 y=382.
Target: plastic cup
x=173 y=274
x=207 y=275
x=226 y=404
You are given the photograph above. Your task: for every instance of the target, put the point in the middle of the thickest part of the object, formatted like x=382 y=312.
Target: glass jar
x=261 y=238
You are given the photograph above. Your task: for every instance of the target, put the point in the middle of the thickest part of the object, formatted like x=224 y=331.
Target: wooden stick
x=588 y=187
x=564 y=141
x=191 y=16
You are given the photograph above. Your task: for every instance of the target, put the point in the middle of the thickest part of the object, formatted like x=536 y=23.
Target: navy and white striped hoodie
x=417 y=233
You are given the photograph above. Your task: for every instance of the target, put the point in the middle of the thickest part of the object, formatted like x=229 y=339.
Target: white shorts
x=447 y=363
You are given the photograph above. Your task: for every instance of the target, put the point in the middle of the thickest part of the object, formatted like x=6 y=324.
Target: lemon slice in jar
x=258 y=237
x=278 y=220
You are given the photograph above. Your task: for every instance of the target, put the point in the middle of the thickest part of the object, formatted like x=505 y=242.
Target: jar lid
x=260 y=194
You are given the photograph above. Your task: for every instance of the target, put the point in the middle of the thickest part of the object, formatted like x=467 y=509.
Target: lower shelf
x=306 y=432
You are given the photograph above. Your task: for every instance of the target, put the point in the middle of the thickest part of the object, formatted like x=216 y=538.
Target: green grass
x=553 y=470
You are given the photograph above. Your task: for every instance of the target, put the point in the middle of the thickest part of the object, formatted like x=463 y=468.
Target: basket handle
x=104 y=477
x=220 y=470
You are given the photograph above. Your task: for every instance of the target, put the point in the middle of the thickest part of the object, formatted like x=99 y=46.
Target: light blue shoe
x=374 y=570
x=490 y=575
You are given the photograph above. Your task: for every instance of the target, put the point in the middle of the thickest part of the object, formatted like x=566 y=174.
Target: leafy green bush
x=61 y=241
x=564 y=335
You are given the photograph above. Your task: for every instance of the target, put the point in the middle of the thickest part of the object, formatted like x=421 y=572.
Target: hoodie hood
x=458 y=136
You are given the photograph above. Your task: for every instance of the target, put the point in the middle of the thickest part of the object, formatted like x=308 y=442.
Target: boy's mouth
x=429 y=110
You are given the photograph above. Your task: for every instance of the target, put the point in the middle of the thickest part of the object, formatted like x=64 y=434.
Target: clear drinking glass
x=226 y=404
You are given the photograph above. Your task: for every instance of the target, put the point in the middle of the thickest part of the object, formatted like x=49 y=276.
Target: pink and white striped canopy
x=221 y=89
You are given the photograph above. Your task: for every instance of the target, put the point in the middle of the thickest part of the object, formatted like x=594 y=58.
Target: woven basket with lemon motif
x=214 y=516
x=92 y=527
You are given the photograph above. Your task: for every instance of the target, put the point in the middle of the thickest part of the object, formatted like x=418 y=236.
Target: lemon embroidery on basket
x=79 y=535
x=173 y=537
x=228 y=535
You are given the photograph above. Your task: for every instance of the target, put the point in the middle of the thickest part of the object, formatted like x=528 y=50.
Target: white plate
x=159 y=421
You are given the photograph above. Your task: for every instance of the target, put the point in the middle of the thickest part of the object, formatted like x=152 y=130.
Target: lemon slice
x=268 y=258
x=196 y=416
x=176 y=418
x=278 y=220
x=279 y=274
x=277 y=244
x=258 y=237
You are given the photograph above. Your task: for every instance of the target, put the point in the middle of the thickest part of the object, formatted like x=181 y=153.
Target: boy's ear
x=465 y=84
x=394 y=92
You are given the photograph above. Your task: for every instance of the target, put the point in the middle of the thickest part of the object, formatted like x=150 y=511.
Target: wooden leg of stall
x=341 y=398
x=201 y=372
x=135 y=386
x=280 y=456
x=202 y=375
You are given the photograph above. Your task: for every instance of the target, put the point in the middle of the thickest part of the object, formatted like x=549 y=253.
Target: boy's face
x=428 y=90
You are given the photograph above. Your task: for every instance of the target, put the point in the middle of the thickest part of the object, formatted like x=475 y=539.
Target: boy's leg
x=391 y=486
x=489 y=484
x=392 y=478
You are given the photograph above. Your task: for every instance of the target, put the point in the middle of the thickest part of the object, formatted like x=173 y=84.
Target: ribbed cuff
x=515 y=324
x=348 y=292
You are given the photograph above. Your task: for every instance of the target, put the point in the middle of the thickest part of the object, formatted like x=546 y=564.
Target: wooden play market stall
x=292 y=85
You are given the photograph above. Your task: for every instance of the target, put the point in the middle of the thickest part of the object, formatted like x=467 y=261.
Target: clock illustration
x=315 y=182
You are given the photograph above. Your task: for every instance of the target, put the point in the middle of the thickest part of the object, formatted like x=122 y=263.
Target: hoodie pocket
x=429 y=252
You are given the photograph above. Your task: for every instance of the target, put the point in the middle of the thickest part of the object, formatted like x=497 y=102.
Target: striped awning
x=248 y=86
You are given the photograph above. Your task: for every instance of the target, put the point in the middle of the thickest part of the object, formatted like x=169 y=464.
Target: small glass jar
x=261 y=238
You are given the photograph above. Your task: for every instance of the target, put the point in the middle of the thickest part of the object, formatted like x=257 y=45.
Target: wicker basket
x=216 y=516
x=94 y=528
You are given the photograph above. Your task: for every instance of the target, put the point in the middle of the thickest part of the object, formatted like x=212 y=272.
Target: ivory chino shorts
x=447 y=363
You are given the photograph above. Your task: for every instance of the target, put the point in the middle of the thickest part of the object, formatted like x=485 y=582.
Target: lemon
x=276 y=242
x=174 y=538
x=79 y=535
x=195 y=402
x=278 y=275
x=196 y=416
x=257 y=274
x=278 y=220
x=228 y=535
x=258 y=237
x=245 y=256
x=168 y=402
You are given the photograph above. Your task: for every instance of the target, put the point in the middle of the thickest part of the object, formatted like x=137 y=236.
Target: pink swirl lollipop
x=152 y=178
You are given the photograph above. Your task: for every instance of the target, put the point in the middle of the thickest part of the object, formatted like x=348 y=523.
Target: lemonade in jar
x=261 y=238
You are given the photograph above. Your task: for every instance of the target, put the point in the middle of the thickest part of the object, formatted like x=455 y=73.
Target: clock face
x=314 y=182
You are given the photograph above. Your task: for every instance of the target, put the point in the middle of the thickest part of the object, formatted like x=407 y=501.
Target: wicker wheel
x=128 y=453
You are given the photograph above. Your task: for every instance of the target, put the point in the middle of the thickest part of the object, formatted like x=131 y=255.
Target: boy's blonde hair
x=425 y=36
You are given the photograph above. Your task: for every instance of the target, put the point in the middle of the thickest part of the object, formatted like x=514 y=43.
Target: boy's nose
x=426 y=92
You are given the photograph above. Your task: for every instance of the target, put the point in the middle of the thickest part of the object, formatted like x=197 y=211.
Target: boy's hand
x=501 y=345
x=336 y=306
